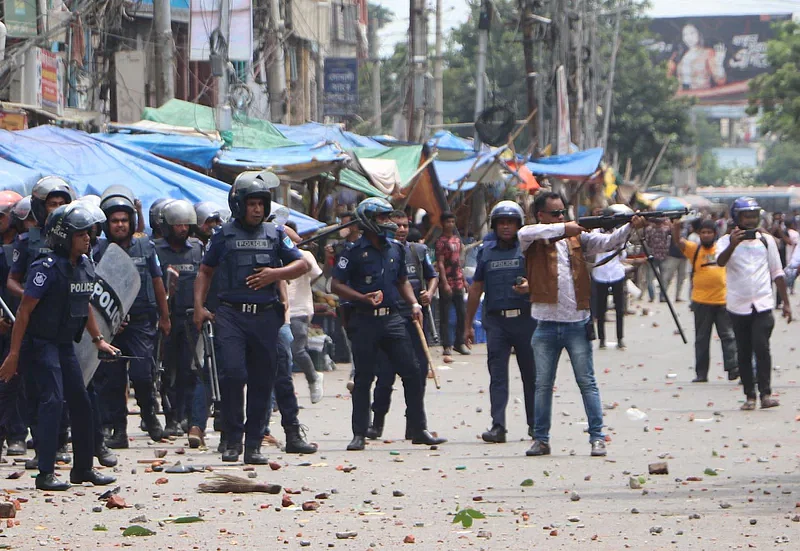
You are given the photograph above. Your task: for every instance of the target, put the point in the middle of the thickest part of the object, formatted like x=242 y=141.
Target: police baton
x=7 y=311
x=431 y=369
x=327 y=232
x=432 y=321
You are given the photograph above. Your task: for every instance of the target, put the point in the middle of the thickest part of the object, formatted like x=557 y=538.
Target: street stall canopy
x=194 y=150
x=246 y=131
x=91 y=165
x=464 y=174
x=314 y=133
x=296 y=162
x=580 y=165
x=452 y=147
x=17 y=177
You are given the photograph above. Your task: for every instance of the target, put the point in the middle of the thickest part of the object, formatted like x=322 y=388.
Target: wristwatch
x=98 y=338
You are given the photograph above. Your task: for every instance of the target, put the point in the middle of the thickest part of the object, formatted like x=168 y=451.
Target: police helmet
x=91 y=200
x=64 y=222
x=744 y=204
x=119 y=198
x=251 y=184
x=206 y=210
x=507 y=209
x=44 y=188
x=177 y=212
x=8 y=199
x=366 y=212
x=154 y=214
x=22 y=209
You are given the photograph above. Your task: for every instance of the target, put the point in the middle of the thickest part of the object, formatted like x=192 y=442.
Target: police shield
x=116 y=286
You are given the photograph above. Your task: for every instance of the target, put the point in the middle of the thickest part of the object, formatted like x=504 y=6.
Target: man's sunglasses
x=557 y=213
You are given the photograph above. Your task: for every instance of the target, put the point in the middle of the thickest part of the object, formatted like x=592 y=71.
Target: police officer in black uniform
x=249 y=257
x=183 y=254
x=500 y=277
x=47 y=194
x=53 y=313
x=148 y=313
x=423 y=279
x=372 y=275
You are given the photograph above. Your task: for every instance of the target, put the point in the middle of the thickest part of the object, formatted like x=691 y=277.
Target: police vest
x=61 y=315
x=245 y=251
x=501 y=269
x=140 y=251
x=187 y=263
x=36 y=245
x=415 y=254
x=11 y=300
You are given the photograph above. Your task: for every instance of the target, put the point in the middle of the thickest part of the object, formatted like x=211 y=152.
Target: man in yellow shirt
x=708 y=300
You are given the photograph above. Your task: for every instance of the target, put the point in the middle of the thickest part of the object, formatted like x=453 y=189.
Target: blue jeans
x=549 y=339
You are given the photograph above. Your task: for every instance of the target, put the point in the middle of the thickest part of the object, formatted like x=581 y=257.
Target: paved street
x=733 y=479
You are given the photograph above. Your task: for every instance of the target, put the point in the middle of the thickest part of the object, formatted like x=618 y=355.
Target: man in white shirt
x=753 y=263
x=560 y=289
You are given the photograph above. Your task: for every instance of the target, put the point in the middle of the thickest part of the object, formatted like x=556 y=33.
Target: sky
x=457 y=12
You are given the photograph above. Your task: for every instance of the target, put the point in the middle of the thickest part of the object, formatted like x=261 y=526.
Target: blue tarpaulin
x=241 y=157
x=450 y=173
x=192 y=150
x=581 y=164
x=91 y=165
x=313 y=133
x=17 y=177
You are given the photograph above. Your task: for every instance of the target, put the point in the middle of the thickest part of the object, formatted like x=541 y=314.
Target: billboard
x=713 y=58
x=20 y=18
x=341 y=86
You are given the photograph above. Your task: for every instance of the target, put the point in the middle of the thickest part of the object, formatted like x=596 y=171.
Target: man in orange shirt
x=708 y=300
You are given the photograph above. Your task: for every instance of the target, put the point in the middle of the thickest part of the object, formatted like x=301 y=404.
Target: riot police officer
x=137 y=339
x=181 y=253
x=246 y=255
x=423 y=279
x=154 y=217
x=372 y=276
x=53 y=312
x=209 y=216
x=500 y=276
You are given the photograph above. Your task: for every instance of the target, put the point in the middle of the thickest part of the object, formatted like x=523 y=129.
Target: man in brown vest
x=560 y=289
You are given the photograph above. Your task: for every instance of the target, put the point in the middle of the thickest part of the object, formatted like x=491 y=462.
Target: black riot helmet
x=42 y=190
x=154 y=215
x=177 y=212
x=118 y=198
x=248 y=185
x=64 y=222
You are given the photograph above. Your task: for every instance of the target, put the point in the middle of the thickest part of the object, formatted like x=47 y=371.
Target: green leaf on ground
x=466 y=516
x=527 y=482
x=100 y=528
x=710 y=472
x=137 y=530
x=187 y=520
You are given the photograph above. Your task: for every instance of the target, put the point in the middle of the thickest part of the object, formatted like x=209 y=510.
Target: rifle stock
x=609 y=222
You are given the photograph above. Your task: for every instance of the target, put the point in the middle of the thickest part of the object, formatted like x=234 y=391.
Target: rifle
x=171 y=286
x=327 y=232
x=611 y=221
x=208 y=358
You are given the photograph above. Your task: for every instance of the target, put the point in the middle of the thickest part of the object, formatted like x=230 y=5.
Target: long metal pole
x=223 y=103
x=480 y=74
x=165 y=67
x=276 y=73
x=412 y=72
x=376 y=74
x=610 y=90
x=530 y=70
x=438 y=70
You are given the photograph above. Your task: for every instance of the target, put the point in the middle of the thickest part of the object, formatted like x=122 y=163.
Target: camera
x=750 y=234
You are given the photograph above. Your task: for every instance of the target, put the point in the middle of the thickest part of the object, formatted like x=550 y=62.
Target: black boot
x=119 y=440
x=50 y=483
x=32 y=464
x=296 y=442
x=496 y=435
x=105 y=456
x=253 y=456
x=16 y=447
x=93 y=476
x=375 y=430
x=62 y=455
x=147 y=405
x=232 y=453
x=426 y=438
x=172 y=428
x=356 y=444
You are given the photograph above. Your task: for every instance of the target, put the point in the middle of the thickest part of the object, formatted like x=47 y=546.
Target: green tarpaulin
x=246 y=131
x=407 y=158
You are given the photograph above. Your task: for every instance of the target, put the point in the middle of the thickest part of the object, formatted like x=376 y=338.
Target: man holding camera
x=753 y=263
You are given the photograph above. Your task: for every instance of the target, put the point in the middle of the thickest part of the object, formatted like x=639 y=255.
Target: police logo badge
x=39 y=279
x=15 y=255
x=368 y=279
x=343 y=263
x=288 y=242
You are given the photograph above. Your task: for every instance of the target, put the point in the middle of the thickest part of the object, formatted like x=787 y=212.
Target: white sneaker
x=317 y=391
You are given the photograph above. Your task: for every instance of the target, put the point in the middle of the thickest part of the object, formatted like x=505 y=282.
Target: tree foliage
x=778 y=93
x=782 y=165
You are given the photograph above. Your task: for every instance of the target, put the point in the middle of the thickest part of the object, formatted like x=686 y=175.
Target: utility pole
x=484 y=22
x=610 y=90
x=529 y=20
x=374 y=48
x=438 y=71
x=165 y=68
x=223 y=115
x=276 y=71
x=578 y=114
x=418 y=60
x=412 y=73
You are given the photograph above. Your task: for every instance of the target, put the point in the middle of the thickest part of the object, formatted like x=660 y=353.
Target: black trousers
x=457 y=300
x=752 y=337
x=600 y=292
x=706 y=316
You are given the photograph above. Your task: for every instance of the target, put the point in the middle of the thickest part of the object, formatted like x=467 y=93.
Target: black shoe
x=733 y=374
x=253 y=456
x=32 y=464
x=119 y=440
x=375 y=430
x=496 y=435
x=62 y=455
x=357 y=443
x=105 y=456
x=463 y=350
x=231 y=454
x=598 y=448
x=426 y=438
x=700 y=379
x=93 y=476
x=296 y=442
x=538 y=448
x=172 y=429
x=16 y=447
x=50 y=483
x=153 y=427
